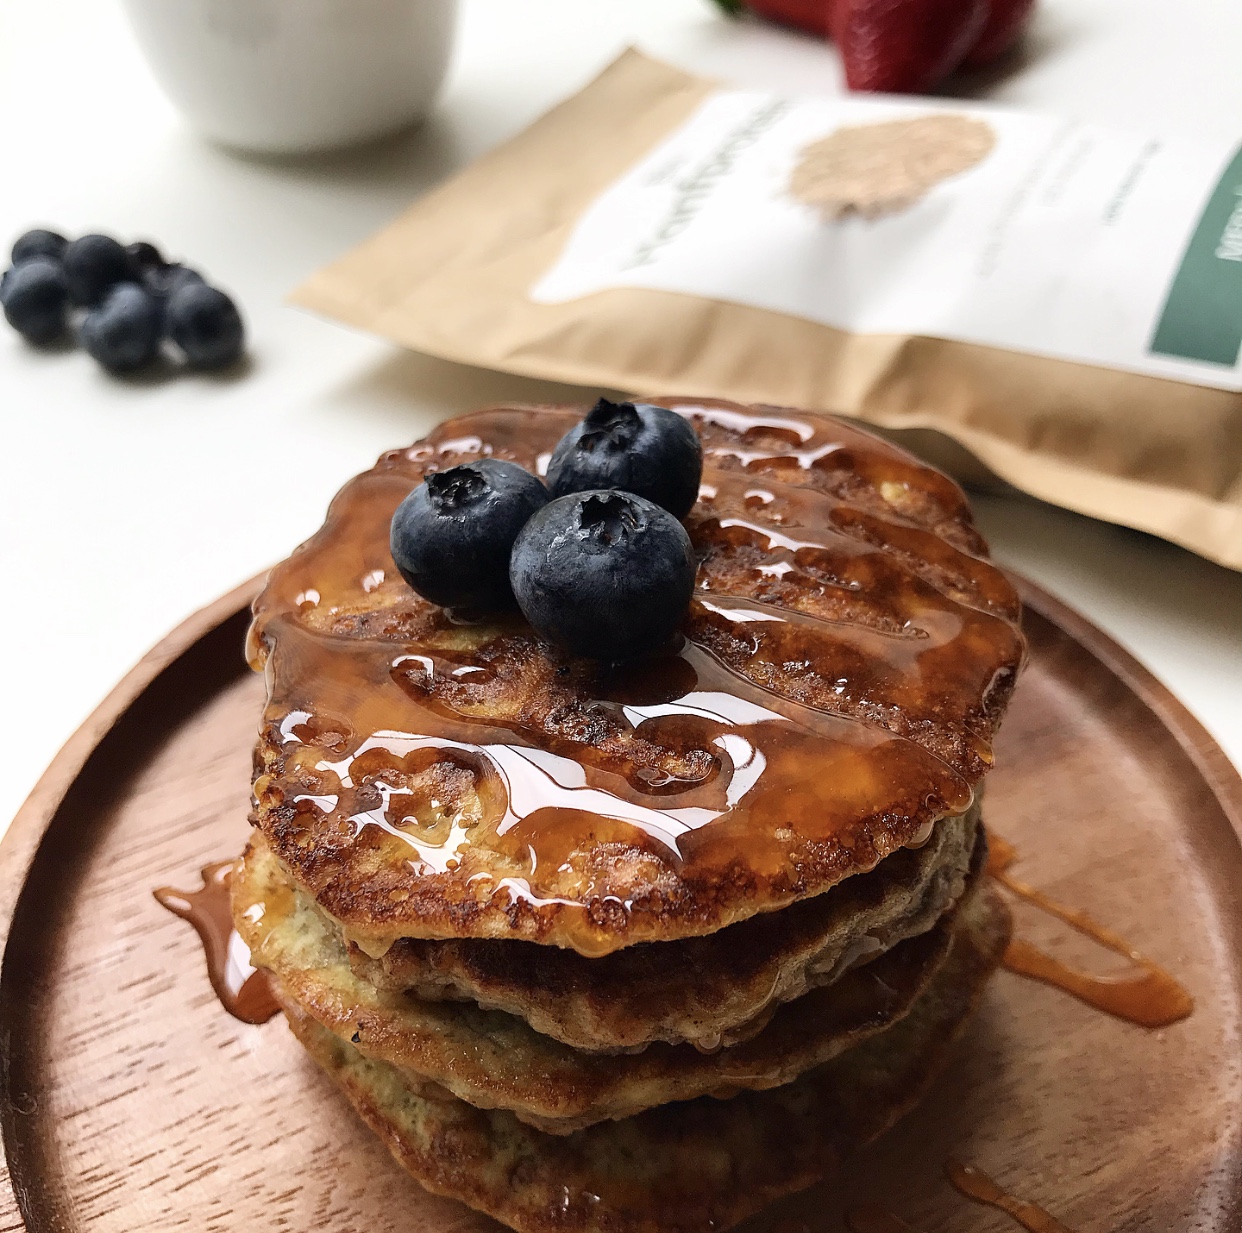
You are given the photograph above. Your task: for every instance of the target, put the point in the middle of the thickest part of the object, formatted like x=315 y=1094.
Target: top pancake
x=845 y=662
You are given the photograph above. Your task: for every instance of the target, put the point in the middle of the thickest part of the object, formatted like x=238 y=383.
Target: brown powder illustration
x=873 y=169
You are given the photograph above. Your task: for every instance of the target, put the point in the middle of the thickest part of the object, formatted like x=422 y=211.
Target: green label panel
x=1202 y=318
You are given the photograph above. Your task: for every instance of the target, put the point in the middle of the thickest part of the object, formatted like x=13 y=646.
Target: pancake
x=834 y=691
x=494 y=1060
x=638 y=995
x=696 y=1167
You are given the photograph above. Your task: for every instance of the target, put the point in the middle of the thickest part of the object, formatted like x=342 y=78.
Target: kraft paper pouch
x=1062 y=300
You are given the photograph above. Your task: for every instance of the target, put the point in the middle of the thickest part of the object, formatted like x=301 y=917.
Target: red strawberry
x=809 y=15
x=836 y=10
x=905 y=46
x=1005 y=21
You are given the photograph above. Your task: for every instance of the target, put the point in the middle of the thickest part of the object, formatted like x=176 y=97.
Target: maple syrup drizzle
x=978 y=1186
x=872 y=1218
x=866 y=615
x=1150 y=998
x=244 y=991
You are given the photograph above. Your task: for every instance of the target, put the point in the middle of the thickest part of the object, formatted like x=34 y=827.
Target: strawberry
x=808 y=15
x=1005 y=21
x=836 y=10
x=905 y=46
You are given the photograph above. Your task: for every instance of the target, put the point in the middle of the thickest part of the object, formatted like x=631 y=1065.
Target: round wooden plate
x=132 y=1102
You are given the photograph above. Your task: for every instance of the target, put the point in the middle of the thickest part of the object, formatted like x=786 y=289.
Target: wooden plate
x=133 y=1102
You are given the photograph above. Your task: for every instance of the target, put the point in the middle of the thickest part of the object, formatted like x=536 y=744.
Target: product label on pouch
x=1006 y=229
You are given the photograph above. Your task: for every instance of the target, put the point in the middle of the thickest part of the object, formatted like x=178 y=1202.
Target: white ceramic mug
x=293 y=76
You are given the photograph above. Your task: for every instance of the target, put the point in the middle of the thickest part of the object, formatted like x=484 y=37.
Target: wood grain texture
x=132 y=1102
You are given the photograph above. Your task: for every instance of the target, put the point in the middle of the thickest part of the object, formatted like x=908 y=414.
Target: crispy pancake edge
x=639 y=994
x=494 y=1060
x=698 y=1167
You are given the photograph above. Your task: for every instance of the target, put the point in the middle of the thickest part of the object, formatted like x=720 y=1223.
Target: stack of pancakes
x=642 y=946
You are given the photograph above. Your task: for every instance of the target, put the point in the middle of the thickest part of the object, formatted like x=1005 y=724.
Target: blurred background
x=127 y=504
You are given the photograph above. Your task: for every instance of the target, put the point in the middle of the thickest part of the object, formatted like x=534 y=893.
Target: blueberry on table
x=606 y=574
x=36 y=299
x=205 y=324
x=123 y=333
x=39 y=242
x=94 y=264
x=162 y=280
x=143 y=255
x=451 y=537
x=647 y=450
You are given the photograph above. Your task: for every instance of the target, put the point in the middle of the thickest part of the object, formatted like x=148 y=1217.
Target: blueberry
x=205 y=324
x=39 y=243
x=162 y=280
x=143 y=255
x=606 y=574
x=643 y=449
x=452 y=535
x=123 y=333
x=36 y=300
x=93 y=265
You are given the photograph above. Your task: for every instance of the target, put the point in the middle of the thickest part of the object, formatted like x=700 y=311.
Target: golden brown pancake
x=696 y=1167
x=495 y=1060
x=833 y=693
x=741 y=974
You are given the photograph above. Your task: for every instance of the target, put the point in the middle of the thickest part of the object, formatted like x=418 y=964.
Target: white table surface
x=126 y=505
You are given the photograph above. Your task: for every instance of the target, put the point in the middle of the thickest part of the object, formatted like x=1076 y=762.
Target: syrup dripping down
x=1150 y=998
x=245 y=992
x=978 y=1186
